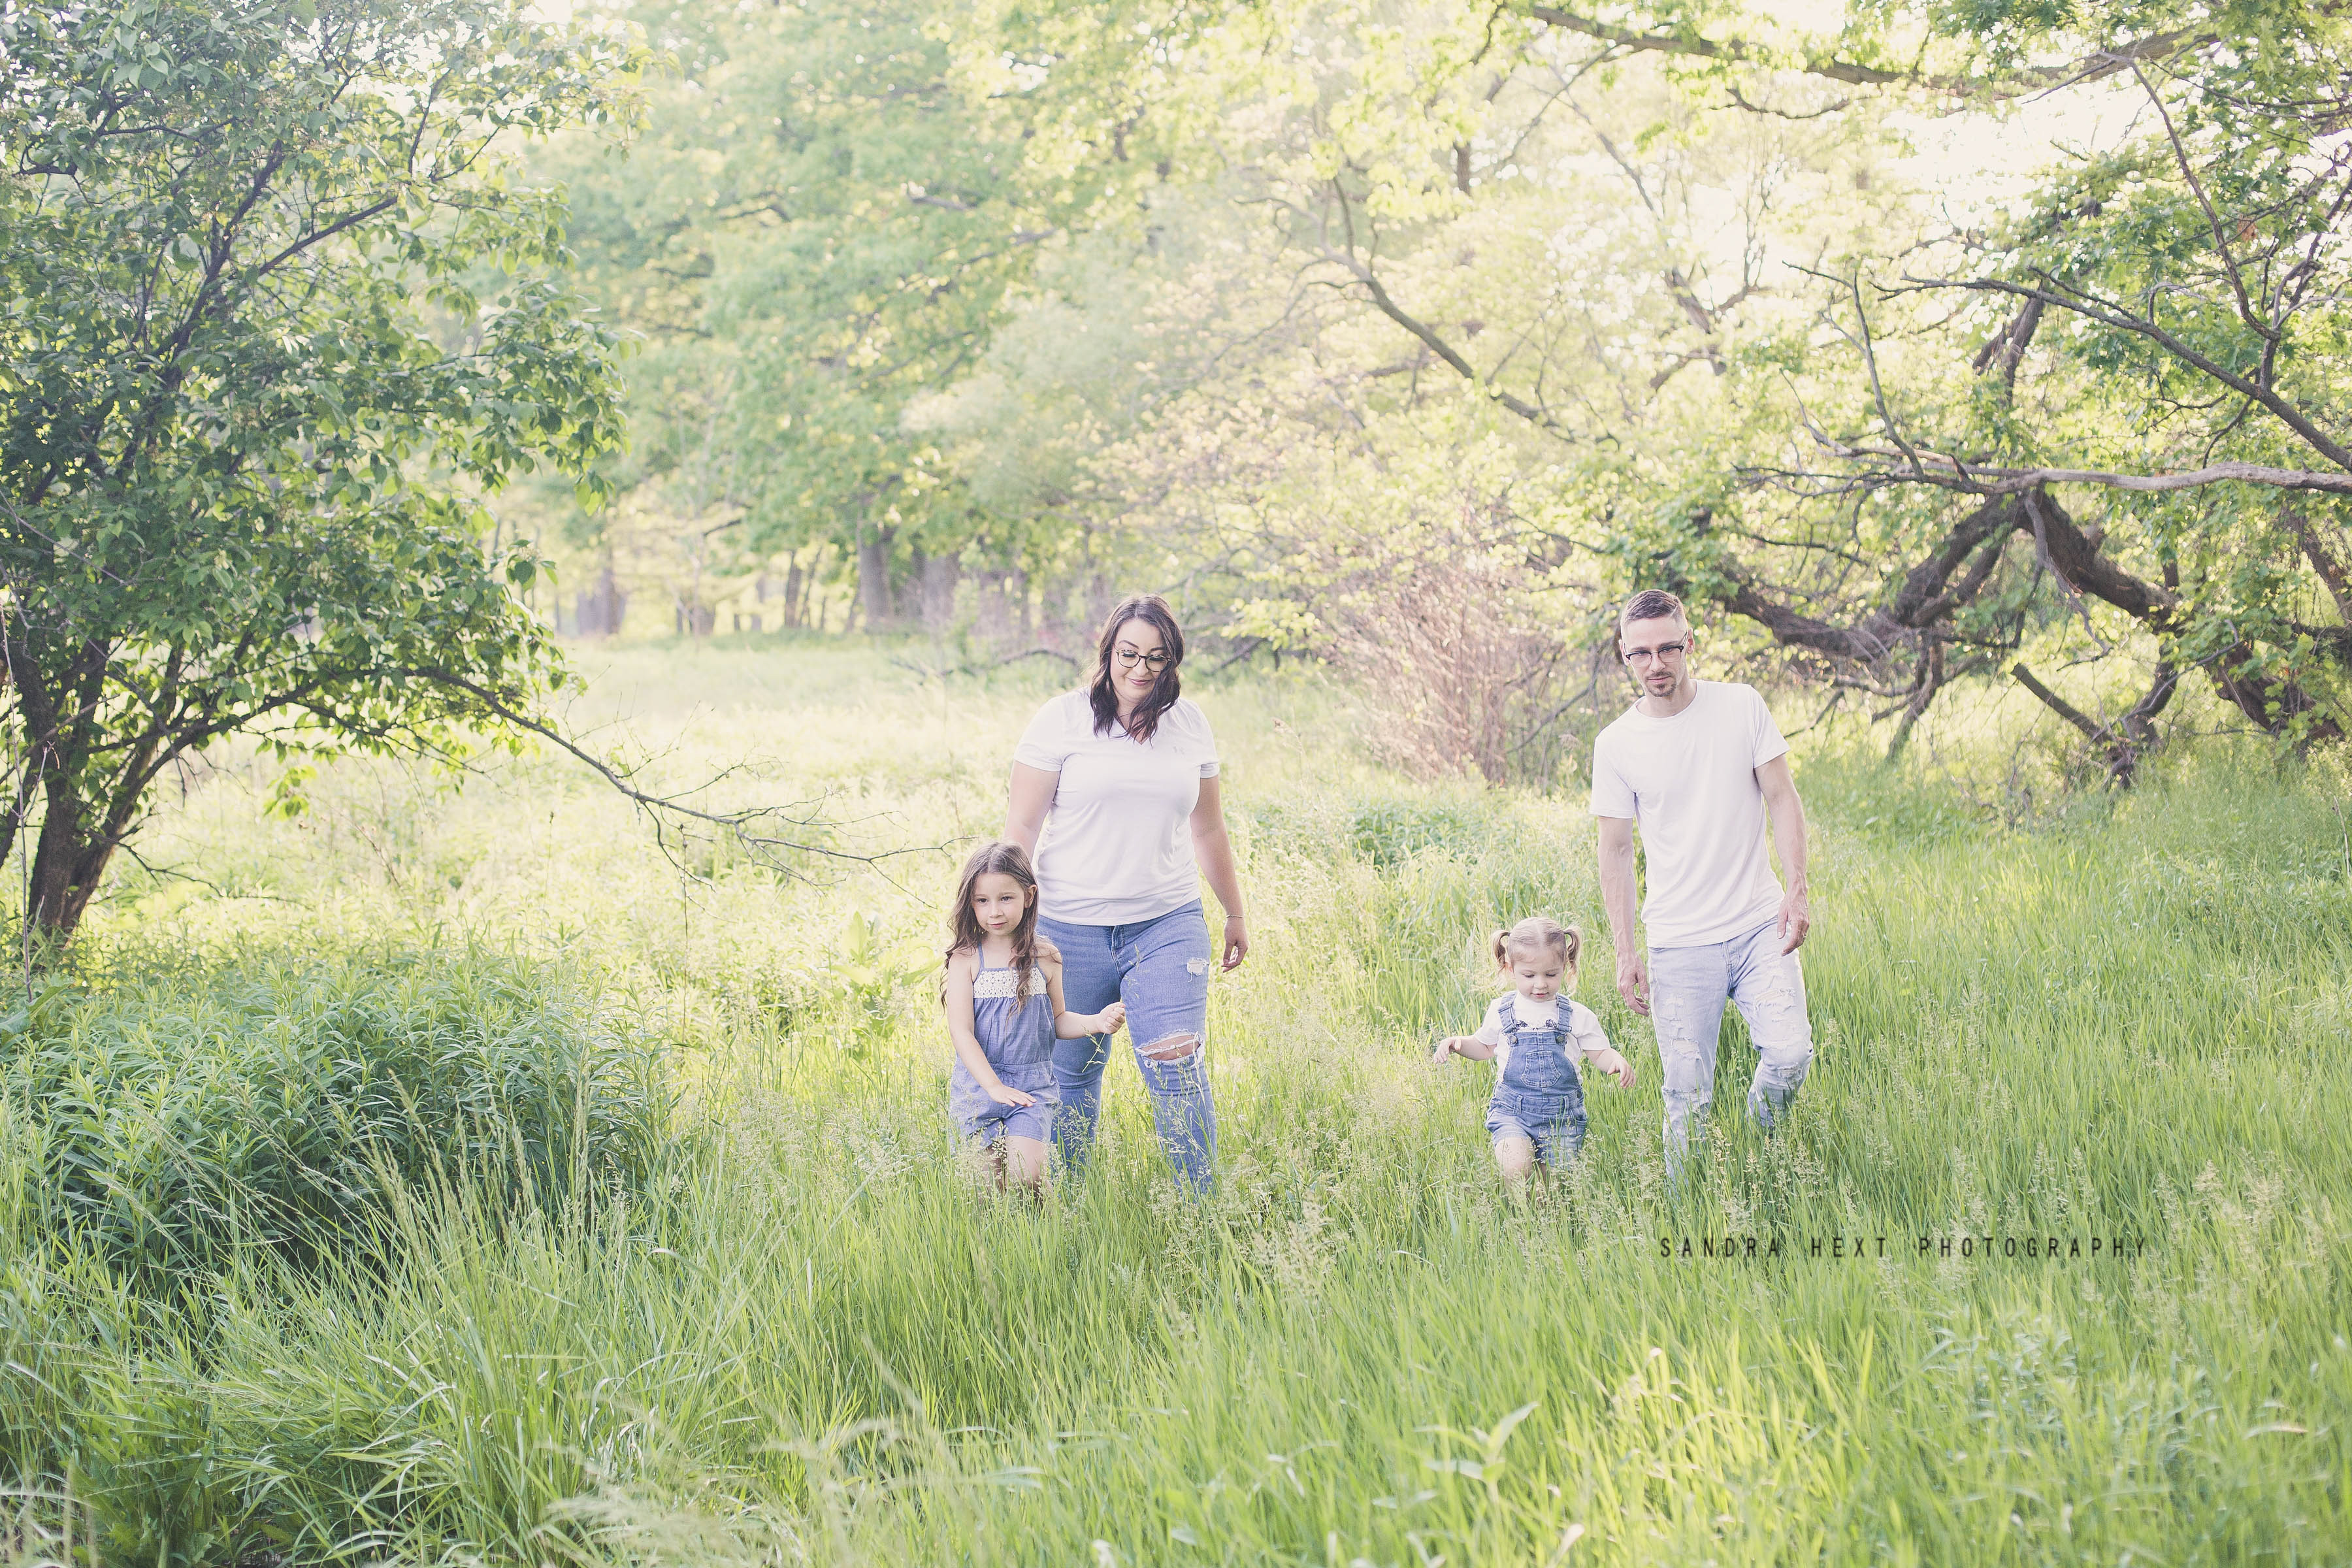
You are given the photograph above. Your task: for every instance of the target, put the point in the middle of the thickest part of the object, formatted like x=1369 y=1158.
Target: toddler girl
x=1004 y=998
x=1536 y=1036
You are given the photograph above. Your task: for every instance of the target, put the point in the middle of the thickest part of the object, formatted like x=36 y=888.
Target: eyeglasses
x=1664 y=650
x=1154 y=661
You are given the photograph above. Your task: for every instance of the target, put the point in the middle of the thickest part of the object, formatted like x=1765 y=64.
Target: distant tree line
x=1280 y=307
x=1401 y=337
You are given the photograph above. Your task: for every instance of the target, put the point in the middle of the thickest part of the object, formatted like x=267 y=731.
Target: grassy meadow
x=436 y=1174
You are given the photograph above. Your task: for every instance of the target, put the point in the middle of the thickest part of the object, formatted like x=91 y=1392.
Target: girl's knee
x=1025 y=1161
x=1515 y=1157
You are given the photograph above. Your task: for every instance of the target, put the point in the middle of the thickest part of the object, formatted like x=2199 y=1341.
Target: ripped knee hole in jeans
x=1170 y=1048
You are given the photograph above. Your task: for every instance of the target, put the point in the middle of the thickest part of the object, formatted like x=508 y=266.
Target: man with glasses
x=1699 y=764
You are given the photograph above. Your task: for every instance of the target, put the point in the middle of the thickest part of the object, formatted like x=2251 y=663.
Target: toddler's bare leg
x=1025 y=1163
x=1517 y=1157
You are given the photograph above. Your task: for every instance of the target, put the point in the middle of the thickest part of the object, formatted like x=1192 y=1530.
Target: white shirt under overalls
x=1585 y=1034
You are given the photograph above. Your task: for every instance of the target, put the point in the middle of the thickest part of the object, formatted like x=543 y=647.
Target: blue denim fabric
x=1688 y=986
x=1018 y=1041
x=1159 y=968
x=990 y=1121
x=1539 y=1095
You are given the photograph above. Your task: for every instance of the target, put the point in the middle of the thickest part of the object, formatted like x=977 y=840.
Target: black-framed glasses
x=1664 y=650
x=1154 y=661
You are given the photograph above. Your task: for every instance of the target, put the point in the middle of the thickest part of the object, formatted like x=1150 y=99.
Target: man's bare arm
x=1780 y=787
x=1616 y=856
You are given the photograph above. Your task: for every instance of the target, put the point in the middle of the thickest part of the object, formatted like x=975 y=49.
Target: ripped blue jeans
x=1688 y=986
x=1159 y=968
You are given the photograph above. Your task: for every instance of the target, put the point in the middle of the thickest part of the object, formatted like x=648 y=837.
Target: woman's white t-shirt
x=1117 y=845
x=1585 y=1033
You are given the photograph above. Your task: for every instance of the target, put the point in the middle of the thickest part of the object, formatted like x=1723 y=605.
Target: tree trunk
x=874 y=578
x=936 y=582
x=598 y=610
x=67 y=864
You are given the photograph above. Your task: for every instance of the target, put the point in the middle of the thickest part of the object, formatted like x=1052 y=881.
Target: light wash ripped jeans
x=1159 y=968
x=1688 y=986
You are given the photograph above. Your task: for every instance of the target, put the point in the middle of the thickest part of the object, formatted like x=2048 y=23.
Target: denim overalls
x=1018 y=1041
x=1539 y=1095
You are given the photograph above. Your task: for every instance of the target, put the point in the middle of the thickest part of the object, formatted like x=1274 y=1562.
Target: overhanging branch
x=1388 y=307
x=1970 y=478
x=1735 y=51
x=748 y=828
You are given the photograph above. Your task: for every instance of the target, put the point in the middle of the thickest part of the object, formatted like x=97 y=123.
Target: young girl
x=1004 y=998
x=1536 y=1036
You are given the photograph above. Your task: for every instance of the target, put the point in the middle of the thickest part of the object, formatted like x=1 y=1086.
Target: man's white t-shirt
x=1690 y=782
x=1585 y=1034
x=1117 y=845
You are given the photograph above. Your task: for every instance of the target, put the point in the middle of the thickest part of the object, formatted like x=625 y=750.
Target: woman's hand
x=1236 y=940
x=1613 y=1062
x=1004 y=1094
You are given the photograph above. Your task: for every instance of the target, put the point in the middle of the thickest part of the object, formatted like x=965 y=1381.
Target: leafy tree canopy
x=280 y=313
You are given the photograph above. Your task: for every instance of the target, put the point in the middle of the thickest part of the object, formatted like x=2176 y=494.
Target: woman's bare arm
x=1212 y=851
x=1032 y=798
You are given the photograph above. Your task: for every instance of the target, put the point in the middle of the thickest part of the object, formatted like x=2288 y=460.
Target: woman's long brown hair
x=1103 y=697
x=1010 y=860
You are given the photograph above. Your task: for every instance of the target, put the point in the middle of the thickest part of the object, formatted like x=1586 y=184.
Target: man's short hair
x=1650 y=605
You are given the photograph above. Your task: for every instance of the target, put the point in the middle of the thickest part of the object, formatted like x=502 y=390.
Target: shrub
x=272 y=1104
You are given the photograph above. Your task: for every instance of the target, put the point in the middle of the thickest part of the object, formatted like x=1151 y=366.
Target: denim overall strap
x=1539 y=1061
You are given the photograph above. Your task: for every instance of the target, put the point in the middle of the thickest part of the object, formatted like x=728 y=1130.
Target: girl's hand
x=1444 y=1049
x=1005 y=1095
x=1614 y=1064
x=1109 y=1020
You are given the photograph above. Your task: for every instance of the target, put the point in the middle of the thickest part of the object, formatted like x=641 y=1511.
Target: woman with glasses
x=1121 y=778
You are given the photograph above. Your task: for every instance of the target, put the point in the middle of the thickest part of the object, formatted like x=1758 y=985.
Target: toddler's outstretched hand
x=1111 y=1017
x=1613 y=1063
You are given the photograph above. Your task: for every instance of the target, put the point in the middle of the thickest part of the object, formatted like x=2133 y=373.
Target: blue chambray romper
x=1539 y=1095
x=1016 y=1036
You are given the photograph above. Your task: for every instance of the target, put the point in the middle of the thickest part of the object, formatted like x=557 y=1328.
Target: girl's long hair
x=1103 y=697
x=1010 y=860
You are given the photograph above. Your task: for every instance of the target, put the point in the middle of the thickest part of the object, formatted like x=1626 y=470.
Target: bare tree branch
x=2293 y=418
x=1388 y=307
x=2032 y=79
x=743 y=826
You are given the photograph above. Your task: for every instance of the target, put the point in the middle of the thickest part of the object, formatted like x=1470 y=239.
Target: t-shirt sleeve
x=1768 y=741
x=1046 y=744
x=1585 y=1026
x=1206 y=741
x=1490 y=1028
x=1612 y=796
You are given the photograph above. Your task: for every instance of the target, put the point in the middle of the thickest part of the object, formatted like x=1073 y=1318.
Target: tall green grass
x=799 y=1333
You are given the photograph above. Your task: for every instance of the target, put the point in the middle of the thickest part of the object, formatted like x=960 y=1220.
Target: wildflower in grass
x=1535 y=1036
x=1002 y=991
